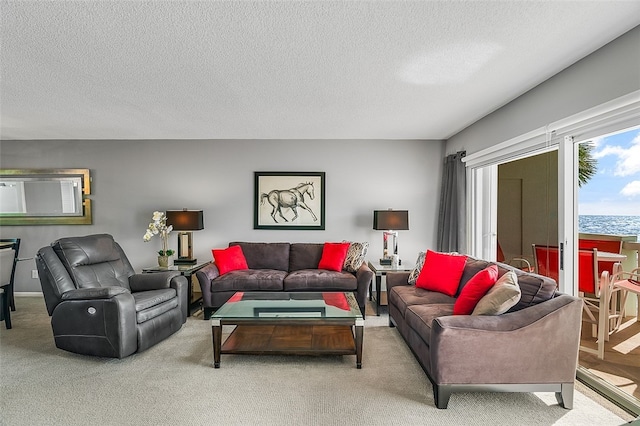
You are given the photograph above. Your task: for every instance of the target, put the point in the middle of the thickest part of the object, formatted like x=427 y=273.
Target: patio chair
x=546 y=260
x=599 y=293
x=610 y=246
x=518 y=262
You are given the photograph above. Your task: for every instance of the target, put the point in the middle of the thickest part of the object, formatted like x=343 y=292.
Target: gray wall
x=131 y=179
x=606 y=74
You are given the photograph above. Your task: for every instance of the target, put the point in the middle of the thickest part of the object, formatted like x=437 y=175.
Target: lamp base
x=185 y=261
x=389 y=261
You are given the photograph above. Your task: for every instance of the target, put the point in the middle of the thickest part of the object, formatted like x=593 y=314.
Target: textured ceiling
x=286 y=70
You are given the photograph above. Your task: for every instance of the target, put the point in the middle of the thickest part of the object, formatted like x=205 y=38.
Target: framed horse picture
x=289 y=200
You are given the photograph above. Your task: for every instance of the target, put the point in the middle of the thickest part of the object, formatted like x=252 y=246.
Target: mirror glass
x=44 y=197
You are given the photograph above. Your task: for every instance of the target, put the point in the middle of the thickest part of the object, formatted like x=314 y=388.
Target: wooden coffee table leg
x=216 y=332
x=359 y=337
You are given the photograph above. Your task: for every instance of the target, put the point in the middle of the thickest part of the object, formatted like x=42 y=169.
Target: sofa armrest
x=396 y=278
x=206 y=274
x=364 y=275
x=93 y=293
x=539 y=343
x=151 y=281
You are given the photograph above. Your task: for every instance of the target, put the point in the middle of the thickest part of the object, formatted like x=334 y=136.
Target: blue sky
x=615 y=189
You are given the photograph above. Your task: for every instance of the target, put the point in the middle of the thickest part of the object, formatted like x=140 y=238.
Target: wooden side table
x=380 y=270
x=186 y=271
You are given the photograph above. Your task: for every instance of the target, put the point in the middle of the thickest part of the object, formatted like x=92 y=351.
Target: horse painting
x=289 y=199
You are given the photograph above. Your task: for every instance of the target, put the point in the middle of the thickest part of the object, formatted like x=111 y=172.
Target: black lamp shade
x=185 y=220
x=392 y=220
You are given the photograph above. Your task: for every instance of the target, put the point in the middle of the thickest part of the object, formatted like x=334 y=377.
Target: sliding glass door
x=500 y=193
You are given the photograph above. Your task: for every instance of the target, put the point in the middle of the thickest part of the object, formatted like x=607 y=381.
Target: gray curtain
x=452 y=232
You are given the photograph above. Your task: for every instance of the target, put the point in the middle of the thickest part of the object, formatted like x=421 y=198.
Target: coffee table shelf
x=290 y=340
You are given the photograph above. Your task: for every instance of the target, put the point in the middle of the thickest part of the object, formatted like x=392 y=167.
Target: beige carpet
x=174 y=383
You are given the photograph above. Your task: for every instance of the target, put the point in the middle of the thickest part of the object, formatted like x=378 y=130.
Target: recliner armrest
x=93 y=293
x=151 y=281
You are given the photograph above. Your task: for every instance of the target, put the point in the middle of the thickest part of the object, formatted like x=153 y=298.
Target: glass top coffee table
x=298 y=323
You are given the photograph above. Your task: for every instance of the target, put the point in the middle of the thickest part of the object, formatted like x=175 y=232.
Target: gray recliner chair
x=99 y=305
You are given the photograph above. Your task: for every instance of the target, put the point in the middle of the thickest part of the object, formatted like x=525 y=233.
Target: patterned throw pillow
x=413 y=276
x=355 y=256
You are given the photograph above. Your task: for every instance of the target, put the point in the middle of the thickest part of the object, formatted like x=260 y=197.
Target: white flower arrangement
x=159 y=227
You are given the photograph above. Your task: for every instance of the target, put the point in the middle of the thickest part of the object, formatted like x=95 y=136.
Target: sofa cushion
x=504 y=294
x=471 y=268
x=441 y=272
x=535 y=288
x=229 y=259
x=475 y=289
x=305 y=256
x=320 y=280
x=356 y=256
x=265 y=255
x=250 y=280
x=420 y=317
x=404 y=296
x=333 y=255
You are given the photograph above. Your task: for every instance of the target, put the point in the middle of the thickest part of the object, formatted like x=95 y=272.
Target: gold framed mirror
x=45 y=197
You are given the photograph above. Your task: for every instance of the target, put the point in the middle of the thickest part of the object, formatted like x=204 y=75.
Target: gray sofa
x=533 y=347
x=279 y=267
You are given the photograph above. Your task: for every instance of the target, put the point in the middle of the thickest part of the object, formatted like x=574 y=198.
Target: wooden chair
x=600 y=299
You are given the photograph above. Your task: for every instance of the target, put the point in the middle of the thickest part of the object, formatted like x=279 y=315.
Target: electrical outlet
x=34 y=274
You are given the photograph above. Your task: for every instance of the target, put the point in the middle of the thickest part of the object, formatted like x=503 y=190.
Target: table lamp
x=390 y=221
x=185 y=221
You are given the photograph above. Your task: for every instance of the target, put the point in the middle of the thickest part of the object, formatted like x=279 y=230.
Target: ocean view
x=614 y=225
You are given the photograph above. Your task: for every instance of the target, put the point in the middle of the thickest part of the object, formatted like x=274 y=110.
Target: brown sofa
x=280 y=267
x=533 y=347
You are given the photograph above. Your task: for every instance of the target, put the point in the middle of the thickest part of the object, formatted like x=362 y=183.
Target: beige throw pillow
x=504 y=294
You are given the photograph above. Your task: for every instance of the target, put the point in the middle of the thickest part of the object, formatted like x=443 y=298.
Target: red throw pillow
x=475 y=288
x=333 y=255
x=339 y=300
x=441 y=272
x=229 y=259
